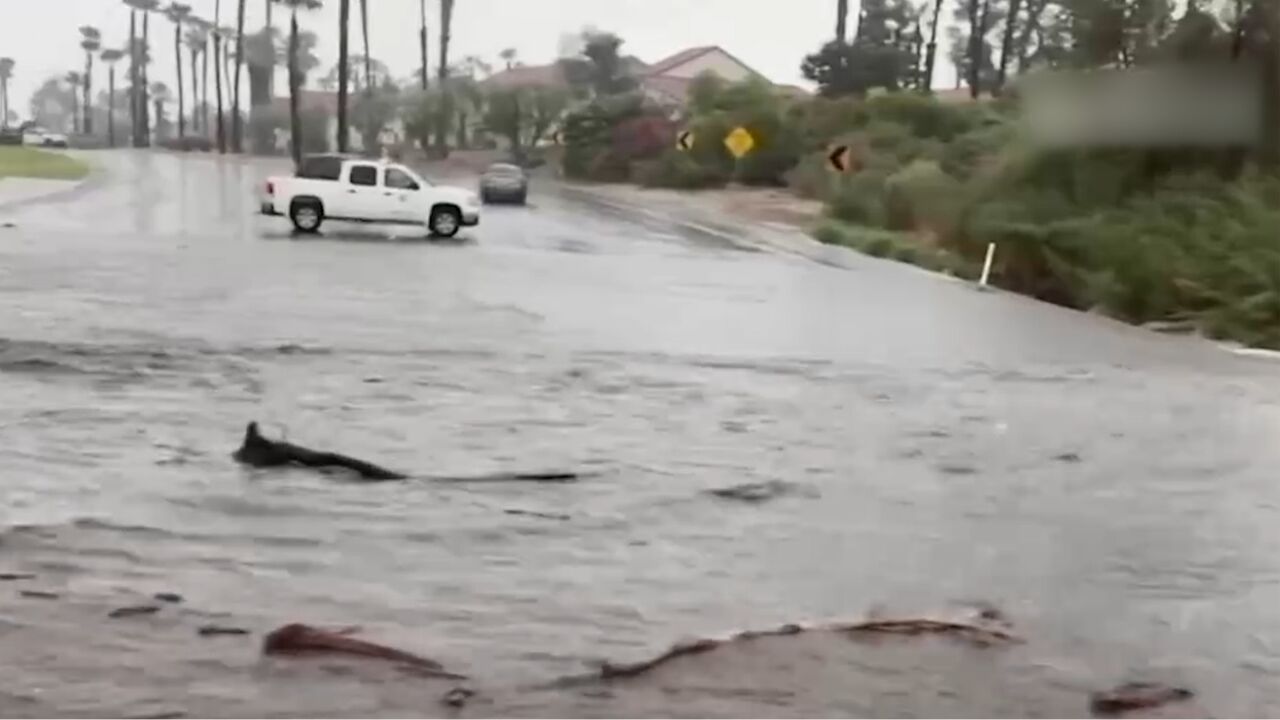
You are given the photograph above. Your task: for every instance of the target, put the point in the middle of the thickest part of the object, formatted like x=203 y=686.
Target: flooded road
x=1112 y=490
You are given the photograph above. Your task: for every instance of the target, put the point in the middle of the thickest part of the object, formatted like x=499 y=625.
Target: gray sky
x=772 y=37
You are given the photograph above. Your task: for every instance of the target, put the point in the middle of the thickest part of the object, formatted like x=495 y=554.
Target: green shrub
x=859 y=199
x=922 y=197
x=923 y=116
x=675 y=169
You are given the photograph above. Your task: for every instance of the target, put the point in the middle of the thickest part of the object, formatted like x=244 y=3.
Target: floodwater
x=1113 y=491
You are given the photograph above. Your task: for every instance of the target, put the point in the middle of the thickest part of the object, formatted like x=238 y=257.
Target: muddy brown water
x=1113 y=491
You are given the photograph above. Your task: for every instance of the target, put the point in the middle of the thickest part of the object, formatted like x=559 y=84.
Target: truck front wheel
x=445 y=221
x=307 y=215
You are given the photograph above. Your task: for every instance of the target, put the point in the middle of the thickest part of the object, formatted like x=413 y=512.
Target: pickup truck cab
x=339 y=187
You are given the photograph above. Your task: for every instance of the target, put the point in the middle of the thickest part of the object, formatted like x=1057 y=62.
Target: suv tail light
x=271 y=188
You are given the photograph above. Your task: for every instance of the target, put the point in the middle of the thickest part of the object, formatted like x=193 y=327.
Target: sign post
x=739 y=142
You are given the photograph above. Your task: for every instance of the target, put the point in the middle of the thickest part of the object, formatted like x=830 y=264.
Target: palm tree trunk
x=422 y=41
x=1006 y=45
x=177 y=60
x=364 y=29
x=88 y=94
x=344 y=62
x=931 y=51
x=75 y=110
x=144 y=84
x=196 y=126
x=134 y=116
x=111 y=105
x=295 y=121
x=842 y=20
x=217 y=92
x=237 y=126
x=204 y=85
x=271 y=66
x=446 y=105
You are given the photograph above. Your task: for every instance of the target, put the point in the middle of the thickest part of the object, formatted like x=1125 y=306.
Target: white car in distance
x=339 y=187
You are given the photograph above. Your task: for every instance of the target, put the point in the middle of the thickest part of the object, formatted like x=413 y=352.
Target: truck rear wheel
x=307 y=216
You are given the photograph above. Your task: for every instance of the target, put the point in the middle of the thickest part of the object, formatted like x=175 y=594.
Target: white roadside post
x=986 y=265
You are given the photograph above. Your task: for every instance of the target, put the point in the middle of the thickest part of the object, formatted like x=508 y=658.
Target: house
x=666 y=81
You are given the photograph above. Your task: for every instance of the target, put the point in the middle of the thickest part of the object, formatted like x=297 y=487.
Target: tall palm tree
x=147 y=7
x=271 y=71
x=364 y=30
x=446 y=104
x=508 y=57
x=344 y=63
x=110 y=57
x=237 y=125
x=196 y=39
x=177 y=14
x=91 y=43
x=422 y=41
x=295 y=79
x=842 y=20
x=6 y=72
x=74 y=79
x=217 y=75
x=140 y=57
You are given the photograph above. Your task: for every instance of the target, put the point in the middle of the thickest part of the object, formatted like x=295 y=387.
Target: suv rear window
x=321 y=168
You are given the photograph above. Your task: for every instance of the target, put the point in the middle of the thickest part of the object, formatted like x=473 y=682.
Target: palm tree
x=74 y=79
x=364 y=30
x=509 y=57
x=90 y=42
x=139 y=58
x=237 y=126
x=217 y=75
x=344 y=62
x=295 y=84
x=422 y=41
x=197 y=39
x=842 y=20
x=6 y=72
x=111 y=56
x=177 y=13
x=446 y=105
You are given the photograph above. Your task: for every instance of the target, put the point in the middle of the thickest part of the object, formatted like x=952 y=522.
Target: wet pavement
x=1112 y=490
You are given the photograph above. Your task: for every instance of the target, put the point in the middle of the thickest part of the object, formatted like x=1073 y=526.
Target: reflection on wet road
x=1110 y=489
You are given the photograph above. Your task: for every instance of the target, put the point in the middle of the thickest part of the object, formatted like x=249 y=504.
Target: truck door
x=360 y=197
x=404 y=195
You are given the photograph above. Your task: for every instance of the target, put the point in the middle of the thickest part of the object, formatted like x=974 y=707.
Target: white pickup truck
x=339 y=187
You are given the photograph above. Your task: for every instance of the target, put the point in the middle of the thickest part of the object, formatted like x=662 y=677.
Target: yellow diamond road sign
x=739 y=142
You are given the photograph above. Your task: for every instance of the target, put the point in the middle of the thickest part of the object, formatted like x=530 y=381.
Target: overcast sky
x=771 y=36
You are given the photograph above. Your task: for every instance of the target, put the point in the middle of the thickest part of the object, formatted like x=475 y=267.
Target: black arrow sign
x=840 y=158
x=684 y=141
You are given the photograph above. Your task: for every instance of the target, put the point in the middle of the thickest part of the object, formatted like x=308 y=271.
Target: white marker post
x=986 y=264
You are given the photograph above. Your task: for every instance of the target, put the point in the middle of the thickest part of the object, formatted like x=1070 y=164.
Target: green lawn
x=32 y=163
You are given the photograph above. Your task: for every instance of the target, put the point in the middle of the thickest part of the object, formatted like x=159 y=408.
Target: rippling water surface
x=1113 y=491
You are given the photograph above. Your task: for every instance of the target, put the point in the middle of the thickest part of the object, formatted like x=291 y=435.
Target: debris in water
x=1067 y=457
x=134 y=610
x=168 y=597
x=988 y=629
x=17 y=576
x=534 y=513
x=956 y=469
x=299 y=639
x=260 y=452
x=210 y=630
x=41 y=594
x=759 y=492
x=1136 y=696
x=458 y=696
